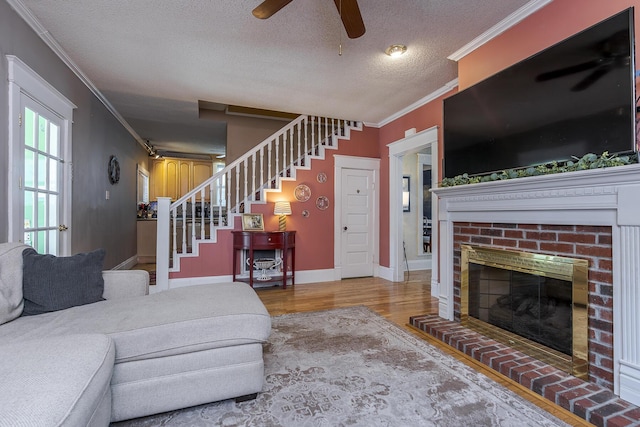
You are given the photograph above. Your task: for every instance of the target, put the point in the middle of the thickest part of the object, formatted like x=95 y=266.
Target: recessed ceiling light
x=396 y=50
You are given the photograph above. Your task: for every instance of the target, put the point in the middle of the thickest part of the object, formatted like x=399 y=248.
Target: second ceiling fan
x=348 y=10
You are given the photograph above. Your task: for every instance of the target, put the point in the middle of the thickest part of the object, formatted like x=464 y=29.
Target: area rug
x=152 y=278
x=351 y=367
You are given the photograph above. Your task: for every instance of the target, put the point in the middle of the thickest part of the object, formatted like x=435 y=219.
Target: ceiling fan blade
x=591 y=78
x=561 y=72
x=268 y=7
x=351 y=17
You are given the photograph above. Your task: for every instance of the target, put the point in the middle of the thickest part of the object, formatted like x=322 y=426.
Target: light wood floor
x=394 y=301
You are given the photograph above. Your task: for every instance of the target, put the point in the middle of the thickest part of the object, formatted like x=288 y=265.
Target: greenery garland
x=588 y=161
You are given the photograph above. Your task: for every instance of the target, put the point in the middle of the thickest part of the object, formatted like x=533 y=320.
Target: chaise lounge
x=129 y=355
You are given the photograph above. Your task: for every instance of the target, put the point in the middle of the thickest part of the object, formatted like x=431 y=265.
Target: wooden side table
x=266 y=240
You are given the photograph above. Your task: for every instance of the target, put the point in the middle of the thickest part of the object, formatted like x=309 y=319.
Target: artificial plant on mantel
x=588 y=161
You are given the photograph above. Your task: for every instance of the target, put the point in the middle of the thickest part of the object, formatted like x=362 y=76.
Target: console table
x=266 y=240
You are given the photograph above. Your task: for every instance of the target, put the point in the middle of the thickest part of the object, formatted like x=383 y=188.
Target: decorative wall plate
x=322 y=203
x=305 y=213
x=302 y=193
x=322 y=177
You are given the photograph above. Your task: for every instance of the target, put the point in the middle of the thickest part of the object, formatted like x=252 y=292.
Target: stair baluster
x=242 y=182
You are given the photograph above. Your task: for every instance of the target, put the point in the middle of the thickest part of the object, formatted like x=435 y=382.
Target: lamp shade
x=282 y=208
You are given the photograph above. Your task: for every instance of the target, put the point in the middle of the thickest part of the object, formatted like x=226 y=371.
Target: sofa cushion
x=53 y=283
x=60 y=381
x=166 y=323
x=11 y=281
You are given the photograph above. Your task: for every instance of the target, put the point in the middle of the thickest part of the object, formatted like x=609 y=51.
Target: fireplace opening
x=535 y=303
x=534 y=307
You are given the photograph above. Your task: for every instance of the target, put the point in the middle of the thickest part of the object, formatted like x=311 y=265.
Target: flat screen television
x=573 y=98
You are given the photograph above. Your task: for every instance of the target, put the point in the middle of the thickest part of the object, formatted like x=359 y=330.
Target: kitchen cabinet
x=176 y=177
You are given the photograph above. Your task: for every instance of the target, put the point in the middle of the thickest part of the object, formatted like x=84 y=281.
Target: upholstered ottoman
x=57 y=381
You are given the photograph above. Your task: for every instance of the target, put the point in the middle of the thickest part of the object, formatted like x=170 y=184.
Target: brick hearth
x=590 y=401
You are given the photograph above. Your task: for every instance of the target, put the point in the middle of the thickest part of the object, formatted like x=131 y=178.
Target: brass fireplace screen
x=532 y=302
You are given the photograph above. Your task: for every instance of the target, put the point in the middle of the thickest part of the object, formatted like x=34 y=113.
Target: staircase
x=195 y=218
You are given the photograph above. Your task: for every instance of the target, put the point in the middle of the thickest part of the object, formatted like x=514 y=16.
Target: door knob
x=345 y=228
x=62 y=227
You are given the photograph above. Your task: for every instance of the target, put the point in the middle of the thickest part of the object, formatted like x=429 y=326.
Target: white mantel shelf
x=609 y=197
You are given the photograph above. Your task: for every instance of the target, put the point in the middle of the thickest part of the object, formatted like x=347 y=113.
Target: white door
x=41 y=178
x=357 y=223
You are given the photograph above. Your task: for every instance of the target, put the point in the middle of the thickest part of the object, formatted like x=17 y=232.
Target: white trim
x=419 y=103
x=23 y=80
x=26 y=14
x=397 y=150
x=422 y=160
x=419 y=264
x=353 y=162
x=302 y=277
x=127 y=264
x=502 y=26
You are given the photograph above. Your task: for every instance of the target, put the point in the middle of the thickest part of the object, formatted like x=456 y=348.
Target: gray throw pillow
x=53 y=283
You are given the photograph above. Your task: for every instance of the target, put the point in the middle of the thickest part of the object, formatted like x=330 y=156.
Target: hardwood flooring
x=394 y=301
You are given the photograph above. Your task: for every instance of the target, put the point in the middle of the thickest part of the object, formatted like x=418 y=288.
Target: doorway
x=426 y=144
x=356 y=218
x=40 y=171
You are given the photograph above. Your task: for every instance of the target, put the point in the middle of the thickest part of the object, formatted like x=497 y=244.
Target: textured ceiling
x=154 y=59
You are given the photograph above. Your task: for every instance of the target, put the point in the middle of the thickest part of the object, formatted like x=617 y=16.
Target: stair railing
x=196 y=216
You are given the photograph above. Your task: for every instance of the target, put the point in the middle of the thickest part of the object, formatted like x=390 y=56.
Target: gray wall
x=244 y=133
x=96 y=135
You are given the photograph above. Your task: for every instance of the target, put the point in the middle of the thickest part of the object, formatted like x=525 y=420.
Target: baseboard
x=302 y=277
x=127 y=264
x=420 y=264
x=314 y=276
x=385 y=273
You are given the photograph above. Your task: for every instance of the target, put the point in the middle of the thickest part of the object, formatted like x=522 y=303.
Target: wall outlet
x=106 y=195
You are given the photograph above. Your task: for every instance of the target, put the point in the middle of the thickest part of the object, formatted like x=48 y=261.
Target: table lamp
x=283 y=209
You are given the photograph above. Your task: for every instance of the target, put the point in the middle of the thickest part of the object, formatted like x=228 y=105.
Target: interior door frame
x=397 y=150
x=23 y=81
x=352 y=162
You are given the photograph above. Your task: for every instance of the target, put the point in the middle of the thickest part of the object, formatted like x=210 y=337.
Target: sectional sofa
x=129 y=355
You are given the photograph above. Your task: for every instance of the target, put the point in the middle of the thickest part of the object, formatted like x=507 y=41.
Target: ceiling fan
x=612 y=53
x=348 y=10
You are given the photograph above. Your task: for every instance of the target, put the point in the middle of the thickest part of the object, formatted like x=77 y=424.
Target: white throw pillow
x=11 y=302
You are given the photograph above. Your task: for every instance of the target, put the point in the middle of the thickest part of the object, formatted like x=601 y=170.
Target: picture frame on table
x=252 y=222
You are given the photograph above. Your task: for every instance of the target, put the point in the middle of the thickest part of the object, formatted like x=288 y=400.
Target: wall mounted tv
x=573 y=98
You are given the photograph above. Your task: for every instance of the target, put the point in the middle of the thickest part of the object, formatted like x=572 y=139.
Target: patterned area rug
x=152 y=278
x=351 y=367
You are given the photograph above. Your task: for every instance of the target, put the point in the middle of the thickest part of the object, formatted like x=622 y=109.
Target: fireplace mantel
x=609 y=197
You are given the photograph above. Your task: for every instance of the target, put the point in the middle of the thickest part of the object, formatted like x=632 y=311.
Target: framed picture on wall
x=405 y=194
x=252 y=222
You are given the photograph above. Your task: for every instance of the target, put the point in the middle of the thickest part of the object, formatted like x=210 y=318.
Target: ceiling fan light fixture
x=396 y=50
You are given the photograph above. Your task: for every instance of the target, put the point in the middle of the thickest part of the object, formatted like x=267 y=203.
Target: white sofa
x=131 y=355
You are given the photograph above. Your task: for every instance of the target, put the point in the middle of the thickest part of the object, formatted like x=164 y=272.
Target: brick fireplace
x=592 y=243
x=592 y=215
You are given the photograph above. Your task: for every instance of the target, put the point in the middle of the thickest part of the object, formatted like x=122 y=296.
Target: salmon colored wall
x=314 y=239
x=551 y=24
x=314 y=234
x=421 y=118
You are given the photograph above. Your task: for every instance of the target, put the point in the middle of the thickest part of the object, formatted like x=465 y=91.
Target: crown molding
x=26 y=14
x=510 y=21
x=427 y=99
